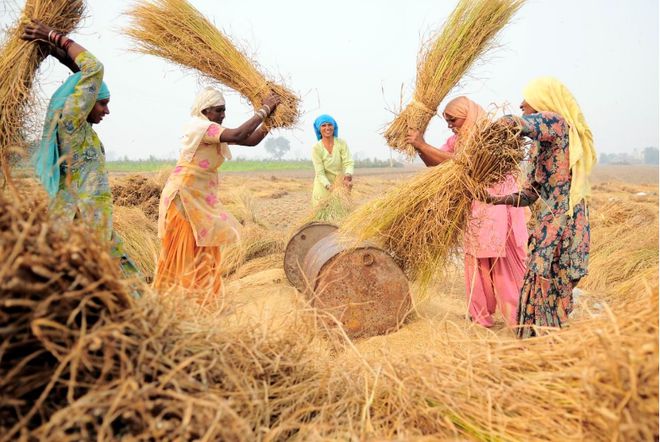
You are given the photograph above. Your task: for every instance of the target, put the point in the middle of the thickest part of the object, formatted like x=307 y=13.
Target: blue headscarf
x=47 y=157
x=325 y=119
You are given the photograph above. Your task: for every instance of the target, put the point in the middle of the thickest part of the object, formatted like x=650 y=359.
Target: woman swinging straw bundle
x=176 y=31
x=421 y=222
x=19 y=61
x=466 y=36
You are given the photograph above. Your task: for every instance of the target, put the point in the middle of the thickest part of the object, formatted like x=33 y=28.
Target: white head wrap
x=208 y=97
x=196 y=128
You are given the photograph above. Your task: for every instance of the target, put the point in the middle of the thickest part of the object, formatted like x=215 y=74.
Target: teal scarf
x=48 y=156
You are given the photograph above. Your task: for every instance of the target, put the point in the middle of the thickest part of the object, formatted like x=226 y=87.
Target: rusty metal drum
x=297 y=248
x=359 y=284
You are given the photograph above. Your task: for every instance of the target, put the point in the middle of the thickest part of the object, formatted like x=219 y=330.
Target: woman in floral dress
x=70 y=161
x=192 y=224
x=561 y=157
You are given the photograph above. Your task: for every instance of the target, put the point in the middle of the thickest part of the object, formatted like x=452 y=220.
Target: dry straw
x=176 y=31
x=19 y=61
x=421 y=222
x=81 y=360
x=335 y=206
x=444 y=60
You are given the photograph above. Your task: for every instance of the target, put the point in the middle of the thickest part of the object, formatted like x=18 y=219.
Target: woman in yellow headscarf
x=561 y=156
x=496 y=241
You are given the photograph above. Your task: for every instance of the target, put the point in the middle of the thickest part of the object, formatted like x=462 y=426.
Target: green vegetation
x=238 y=165
x=152 y=165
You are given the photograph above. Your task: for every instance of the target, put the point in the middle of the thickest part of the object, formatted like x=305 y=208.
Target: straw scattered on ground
x=81 y=360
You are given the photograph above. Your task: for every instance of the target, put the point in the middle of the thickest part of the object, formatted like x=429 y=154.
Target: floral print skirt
x=547 y=301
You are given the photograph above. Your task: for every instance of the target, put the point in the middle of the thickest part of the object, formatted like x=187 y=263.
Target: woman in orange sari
x=192 y=224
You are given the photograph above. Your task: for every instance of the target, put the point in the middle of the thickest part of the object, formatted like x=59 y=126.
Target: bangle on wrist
x=261 y=113
x=67 y=43
x=268 y=110
x=50 y=35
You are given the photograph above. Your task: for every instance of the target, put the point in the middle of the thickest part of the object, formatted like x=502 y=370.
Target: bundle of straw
x=19 y=61
x=421 y=222
x=336 y=206
x=466 y=36
x=176 y=31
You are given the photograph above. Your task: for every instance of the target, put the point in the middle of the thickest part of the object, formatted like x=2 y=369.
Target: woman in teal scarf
x=70 y=161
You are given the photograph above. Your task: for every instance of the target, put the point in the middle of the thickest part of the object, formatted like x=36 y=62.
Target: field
x=256 y=365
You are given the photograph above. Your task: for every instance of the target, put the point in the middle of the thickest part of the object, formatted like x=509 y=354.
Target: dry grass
x=467 y=35
x=335 y=207
x=19 y=61
x=421 y=222
x=140 y=236
x=176 y=31
x=81 y=360
x=138 y=191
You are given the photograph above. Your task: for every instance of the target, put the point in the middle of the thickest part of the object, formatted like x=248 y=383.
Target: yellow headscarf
x=547 y=94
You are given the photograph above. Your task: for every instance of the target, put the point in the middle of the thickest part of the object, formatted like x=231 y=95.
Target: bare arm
x=244 y=135
x=520 y=199
x=60 y=46
x=432 y=156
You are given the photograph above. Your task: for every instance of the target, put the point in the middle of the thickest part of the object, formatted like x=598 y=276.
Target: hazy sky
x=351 y=58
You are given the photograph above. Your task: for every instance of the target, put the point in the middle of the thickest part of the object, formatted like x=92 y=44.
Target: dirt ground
x=281 y=201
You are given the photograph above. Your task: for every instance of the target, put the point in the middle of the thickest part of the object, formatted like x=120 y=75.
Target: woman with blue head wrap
x=331 y=158
x=70 y=160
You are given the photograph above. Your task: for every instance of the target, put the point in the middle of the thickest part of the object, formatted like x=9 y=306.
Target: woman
x=496 y=239
x=561 y=156
x=192 y=224
x=70 y=161
x=331 y=158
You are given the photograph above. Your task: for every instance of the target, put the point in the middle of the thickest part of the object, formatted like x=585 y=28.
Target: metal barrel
x=359 y=284
x=297 y=249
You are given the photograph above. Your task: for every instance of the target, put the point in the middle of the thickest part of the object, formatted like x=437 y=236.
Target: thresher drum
x=357 y=282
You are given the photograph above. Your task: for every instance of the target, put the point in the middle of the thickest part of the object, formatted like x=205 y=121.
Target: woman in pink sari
x=496 y=239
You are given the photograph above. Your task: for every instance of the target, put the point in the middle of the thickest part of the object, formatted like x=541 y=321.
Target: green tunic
x=327 y=167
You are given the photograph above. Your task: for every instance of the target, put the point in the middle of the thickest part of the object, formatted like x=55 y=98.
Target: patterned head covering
x=47 y=157
x=547 y=94
x=325 y=119
x=463 y=107
x=208 y=97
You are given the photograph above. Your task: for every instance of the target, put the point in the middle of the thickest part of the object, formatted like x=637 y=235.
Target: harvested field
x=263 y=367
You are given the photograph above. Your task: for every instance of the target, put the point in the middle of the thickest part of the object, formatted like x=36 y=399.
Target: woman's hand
x=415 y=138
x=35 y=30
x=271 y=102
x=348 y=182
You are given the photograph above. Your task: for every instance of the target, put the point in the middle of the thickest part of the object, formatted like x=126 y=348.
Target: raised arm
x=246 y=134
x=432 y=156
x=80 y=103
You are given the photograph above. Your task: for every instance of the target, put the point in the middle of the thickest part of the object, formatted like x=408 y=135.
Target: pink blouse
x=489 y=225
x=195 y=183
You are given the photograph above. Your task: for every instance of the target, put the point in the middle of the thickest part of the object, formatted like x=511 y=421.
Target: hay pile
x=19 y=61
x=467 y=35
x=336 y=206
x=137 y=191
x=176 y=31
x=81 y=360
x=91 y=363
x=421 y=222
